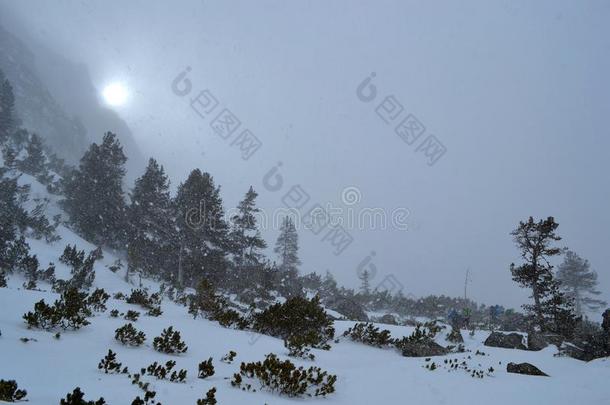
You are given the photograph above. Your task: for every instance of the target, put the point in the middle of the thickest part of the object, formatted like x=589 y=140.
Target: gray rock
x=536 y=341
x=505 y=340
x=389 y=319
x=524 y=368
x=426 y=348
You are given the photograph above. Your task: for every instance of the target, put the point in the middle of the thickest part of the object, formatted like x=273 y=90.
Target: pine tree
x=94 y=194
x=13 y=221
x=579 y=283
x=535 y=241
x=202 y=242
x=8 y=119
x=35 y=161
x=287 y=247
x=365 y=288
x=245 y=237
x=151 y=222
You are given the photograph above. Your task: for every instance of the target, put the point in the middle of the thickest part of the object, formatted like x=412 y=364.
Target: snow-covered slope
x=49 y=368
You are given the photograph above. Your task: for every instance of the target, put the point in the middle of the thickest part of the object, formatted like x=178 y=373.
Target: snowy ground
x=49 y=368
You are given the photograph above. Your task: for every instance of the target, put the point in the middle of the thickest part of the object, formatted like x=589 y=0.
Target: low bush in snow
x=206 y=369
x=207 y=303
x=128 y=335
x=77 y=398
x=110 y=365
x=97 y=300
x=132 y=315
x=369 y=334
x=210 y=398
x=70 y=311
x=297 y=316
x=284 y=378
x=297 y=346
x=169 y=342
x=162 y=372
x=9 y=391
x=142 y=298
x=229 y=357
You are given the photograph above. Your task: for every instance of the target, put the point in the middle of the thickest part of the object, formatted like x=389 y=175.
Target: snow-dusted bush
x=210 y=398
x=77 y=398
x=297 y=316
x=169 y=342
x=128 y=335
x=110 y=365
x=297 y=347
x=229 y=357
x=284 y=378
x=162 y=372
x=97 y=300
x=207 y=303
x=9 y=391
x=369 y=334
x=142 y=298
x=132 y=315
x=206 y=369
x=70 y=311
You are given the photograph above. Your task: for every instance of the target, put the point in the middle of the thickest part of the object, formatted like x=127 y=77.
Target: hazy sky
x=517 y=91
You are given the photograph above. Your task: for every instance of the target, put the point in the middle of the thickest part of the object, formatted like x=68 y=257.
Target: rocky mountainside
x=56 y=99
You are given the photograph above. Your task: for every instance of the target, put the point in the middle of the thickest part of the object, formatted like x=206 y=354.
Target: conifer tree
x=94 y=194
x=245 y=237
x=202 y=242
x=287 y=247
x=8 y=119
x=551 y=310
x=579 y=283
x=151 y=222
x=34 y=162
x=365 y=288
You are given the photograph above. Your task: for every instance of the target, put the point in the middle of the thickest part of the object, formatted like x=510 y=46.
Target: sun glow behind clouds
x=115 y=94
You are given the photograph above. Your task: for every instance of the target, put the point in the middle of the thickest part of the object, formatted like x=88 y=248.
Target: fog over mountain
x=517 y=92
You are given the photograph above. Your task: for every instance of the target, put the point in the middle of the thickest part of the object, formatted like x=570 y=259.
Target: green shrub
x=132 y=315
x=229 y=357
x=9 y=391
x=297 y=347
x=114 y=313
x=169 y=342
x=162 y=372
x=207 y=303
x=140 y=297
x=297 y=316
x=210 y=398
x=70 y=311
x=369 y=334
x=285 y=378
x=110 y=365
x=2 y=279
x=206 y=369
x=128 y=335
x=44 y=316
x=97 y=300
x=77 y=398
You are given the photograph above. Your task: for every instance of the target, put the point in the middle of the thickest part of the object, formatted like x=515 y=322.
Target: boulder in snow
x=505 y=340
x=426 y=348
x=524 y=368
